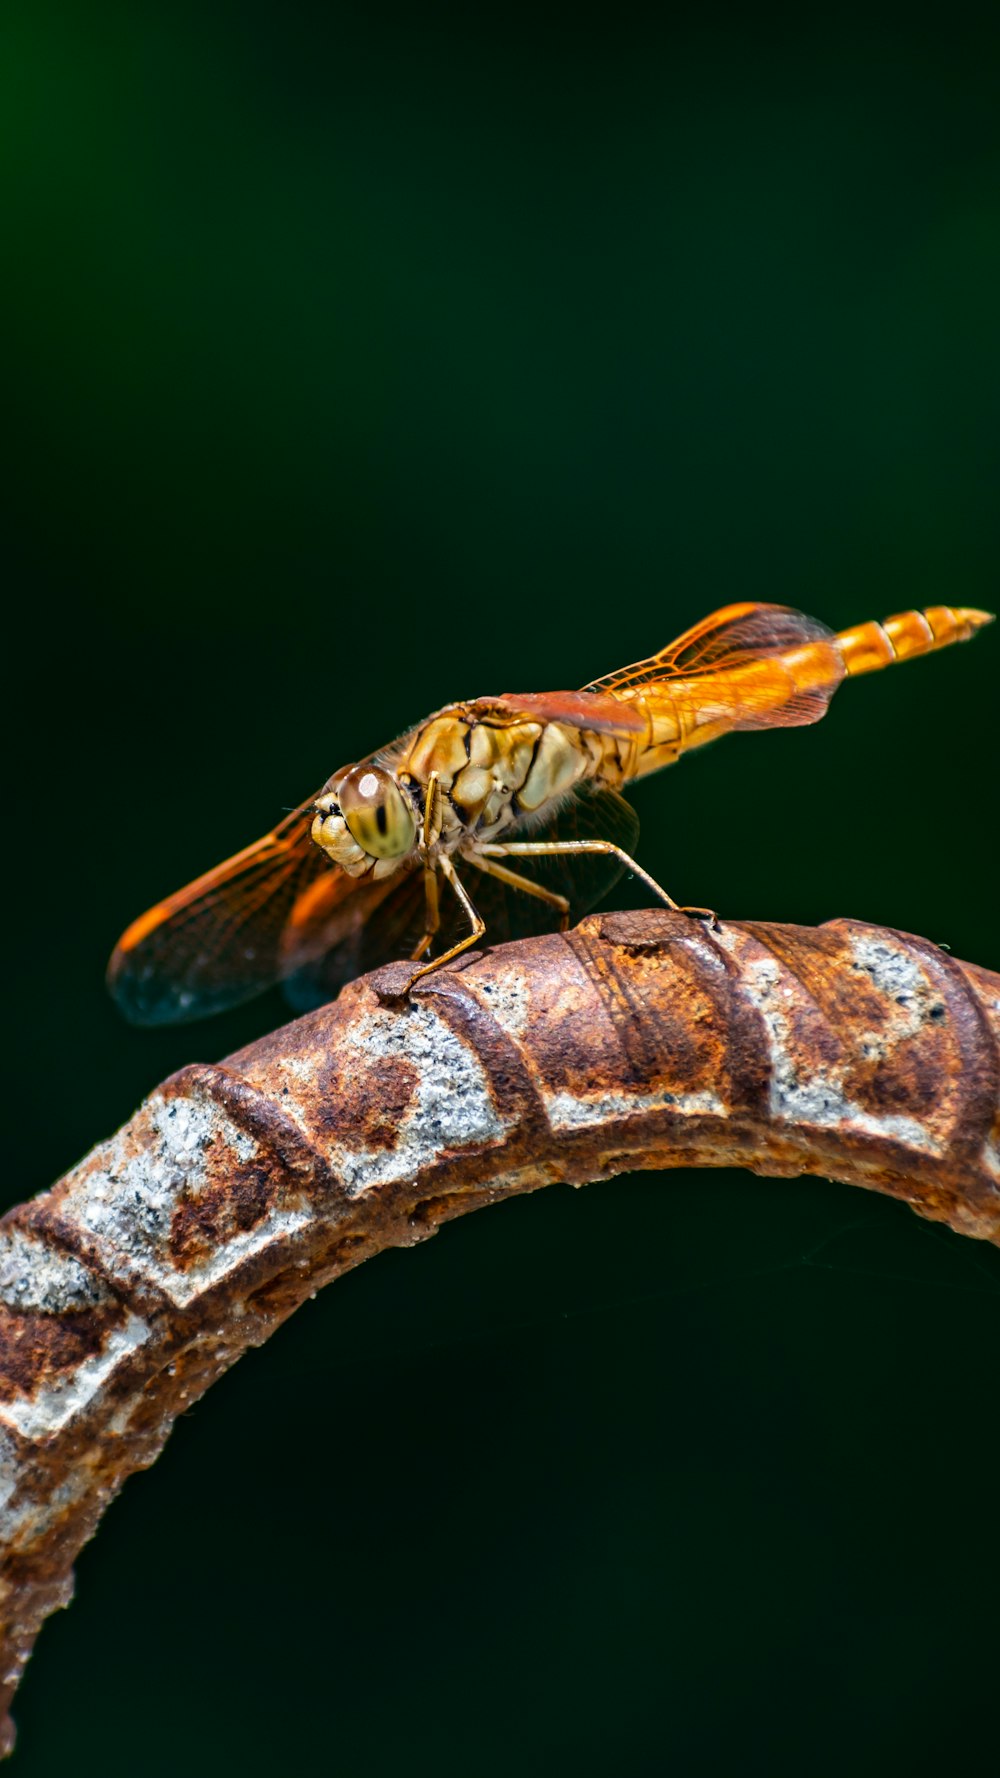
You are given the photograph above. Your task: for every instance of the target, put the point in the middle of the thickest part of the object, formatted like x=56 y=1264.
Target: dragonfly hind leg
x=514 y=880
x=553 y=848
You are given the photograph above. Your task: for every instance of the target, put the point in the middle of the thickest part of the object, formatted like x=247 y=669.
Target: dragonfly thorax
x=495 y=770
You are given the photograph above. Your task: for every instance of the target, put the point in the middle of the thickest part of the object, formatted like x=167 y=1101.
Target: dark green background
x=356 y=363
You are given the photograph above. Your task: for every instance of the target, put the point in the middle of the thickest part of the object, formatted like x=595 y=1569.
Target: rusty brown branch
x=638 y=1040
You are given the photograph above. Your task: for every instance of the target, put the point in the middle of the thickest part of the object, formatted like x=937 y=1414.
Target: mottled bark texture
x=638 y=1040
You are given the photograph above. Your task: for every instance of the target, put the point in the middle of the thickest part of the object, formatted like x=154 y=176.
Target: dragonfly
x=511 y=805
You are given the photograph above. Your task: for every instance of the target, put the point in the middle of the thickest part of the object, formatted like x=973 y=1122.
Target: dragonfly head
x=365 y=821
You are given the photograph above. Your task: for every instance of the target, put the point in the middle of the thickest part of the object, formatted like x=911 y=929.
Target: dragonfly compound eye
x=376 y=813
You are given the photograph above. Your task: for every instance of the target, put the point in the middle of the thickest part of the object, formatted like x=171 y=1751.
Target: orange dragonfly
x=352 y=877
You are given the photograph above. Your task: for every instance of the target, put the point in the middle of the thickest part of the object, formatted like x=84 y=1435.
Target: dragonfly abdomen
x=868 y=647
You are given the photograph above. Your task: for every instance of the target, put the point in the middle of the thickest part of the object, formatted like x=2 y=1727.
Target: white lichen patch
x=452 y=1106
x=301 y=1069
x=294 y=1078
x=128 y=1200
x=991 y=1158
x=817 y=1098
x=50 y=1407
x=182 y=1287
x=507 y=999
x=10 y=1467
x=903 y=981
x=574 y=1111
x=897 y=974
x=38 y=1279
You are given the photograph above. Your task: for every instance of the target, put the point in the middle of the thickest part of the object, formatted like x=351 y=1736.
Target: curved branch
x=638 y=1040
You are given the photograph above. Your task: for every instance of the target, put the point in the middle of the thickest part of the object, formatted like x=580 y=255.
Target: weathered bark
x=638 y=1040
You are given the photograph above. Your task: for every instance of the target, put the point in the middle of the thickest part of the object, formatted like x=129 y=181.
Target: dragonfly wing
x=735 y=633
x=746 y=666
x=230 y=934
x=380 y=923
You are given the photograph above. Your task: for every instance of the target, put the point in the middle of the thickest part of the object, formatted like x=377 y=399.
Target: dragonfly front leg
x=553 y=849
x=429 y=833
x=476 y=921
x=432 y=914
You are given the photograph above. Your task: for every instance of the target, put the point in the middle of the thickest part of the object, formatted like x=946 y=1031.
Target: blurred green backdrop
x=358 y=362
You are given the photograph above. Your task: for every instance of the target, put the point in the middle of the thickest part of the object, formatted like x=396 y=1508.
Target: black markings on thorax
x=516 y=799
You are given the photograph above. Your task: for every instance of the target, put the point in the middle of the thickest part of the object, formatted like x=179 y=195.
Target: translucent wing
x=379 y=923
x=723 y=639
x=231 y=933
x=746 y=666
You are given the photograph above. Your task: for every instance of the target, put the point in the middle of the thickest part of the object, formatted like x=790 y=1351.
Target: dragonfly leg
x=431 y=827
x=432 y=819
x=515 y=881
x=552 y=848
x=432 y=915
x=476 y=920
